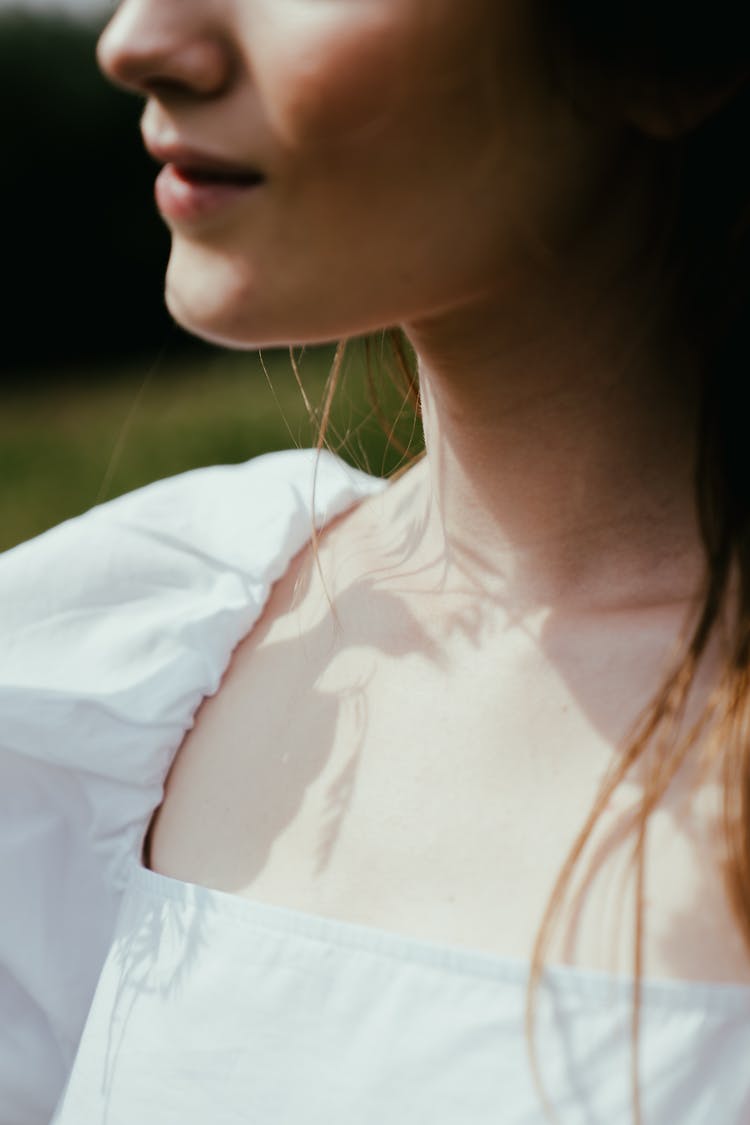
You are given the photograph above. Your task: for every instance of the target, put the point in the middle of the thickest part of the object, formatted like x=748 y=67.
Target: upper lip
x=182 y=156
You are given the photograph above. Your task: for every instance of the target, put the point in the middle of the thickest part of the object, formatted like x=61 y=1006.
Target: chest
x=377 y=787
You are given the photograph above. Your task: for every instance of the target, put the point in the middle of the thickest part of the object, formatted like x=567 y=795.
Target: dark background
x=83 y=247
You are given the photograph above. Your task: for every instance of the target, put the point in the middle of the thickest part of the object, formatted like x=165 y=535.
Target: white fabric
x=147 y=1001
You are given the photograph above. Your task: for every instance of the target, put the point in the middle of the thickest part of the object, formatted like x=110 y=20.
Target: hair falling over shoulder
x=680 y=76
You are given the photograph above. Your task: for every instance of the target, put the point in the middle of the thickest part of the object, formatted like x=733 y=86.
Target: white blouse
x=130 y=997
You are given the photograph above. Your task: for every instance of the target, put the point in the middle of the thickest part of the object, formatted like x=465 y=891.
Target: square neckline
x=574 y=981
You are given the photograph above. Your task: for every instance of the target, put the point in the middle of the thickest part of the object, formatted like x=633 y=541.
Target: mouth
x=196 y=185
x=188 y=193
x=195 y=166
x=206 y=175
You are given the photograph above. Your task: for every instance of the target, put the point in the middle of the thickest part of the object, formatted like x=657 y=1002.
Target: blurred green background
x=69 y=443
x=101 y=391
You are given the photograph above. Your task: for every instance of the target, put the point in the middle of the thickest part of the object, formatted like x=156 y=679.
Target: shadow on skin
x=270 y=734
x=260 y=745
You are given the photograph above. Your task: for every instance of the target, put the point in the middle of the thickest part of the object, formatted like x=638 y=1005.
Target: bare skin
x=425 y=767
x=507 y=607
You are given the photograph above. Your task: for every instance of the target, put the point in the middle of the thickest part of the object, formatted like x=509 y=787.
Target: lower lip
x=188 y=200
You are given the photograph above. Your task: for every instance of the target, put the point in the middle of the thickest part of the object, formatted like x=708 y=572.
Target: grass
x=67 y=445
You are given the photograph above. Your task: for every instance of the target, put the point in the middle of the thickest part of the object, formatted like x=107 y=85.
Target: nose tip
x=145 y=52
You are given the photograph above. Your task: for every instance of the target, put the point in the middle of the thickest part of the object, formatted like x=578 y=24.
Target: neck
x=560 y=450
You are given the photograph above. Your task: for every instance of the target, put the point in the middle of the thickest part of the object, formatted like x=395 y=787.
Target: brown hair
x=677 y=74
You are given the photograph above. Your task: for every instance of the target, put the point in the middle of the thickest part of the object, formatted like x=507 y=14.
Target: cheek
x=330 y=82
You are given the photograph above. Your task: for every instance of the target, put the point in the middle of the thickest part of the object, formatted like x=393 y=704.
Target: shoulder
x=230 y=512
x=134 y=607
x=115 y=625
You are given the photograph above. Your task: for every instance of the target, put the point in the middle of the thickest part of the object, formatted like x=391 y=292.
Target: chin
x=216 y=305
x=223 y=303
x=209 y=328
x=221 y=299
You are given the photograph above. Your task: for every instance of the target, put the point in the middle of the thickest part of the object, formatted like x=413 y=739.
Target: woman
x=316 y=897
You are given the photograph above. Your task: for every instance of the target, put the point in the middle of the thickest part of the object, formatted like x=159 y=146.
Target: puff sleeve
x=113 y=628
